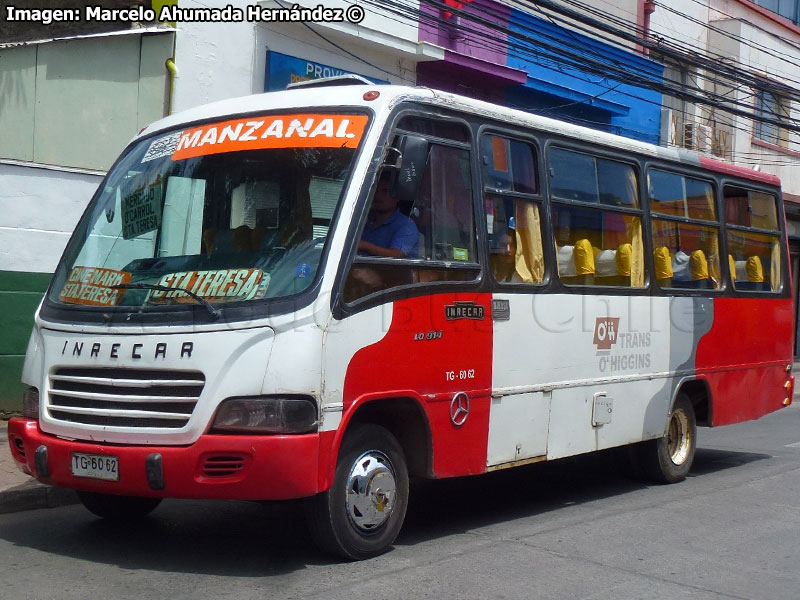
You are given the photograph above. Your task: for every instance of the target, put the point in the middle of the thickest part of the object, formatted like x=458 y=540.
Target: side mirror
x=413 y=151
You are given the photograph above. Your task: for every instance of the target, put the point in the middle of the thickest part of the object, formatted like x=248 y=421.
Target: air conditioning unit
x=706 y=139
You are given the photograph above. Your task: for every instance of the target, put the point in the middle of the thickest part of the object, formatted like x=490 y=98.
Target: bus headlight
x=266 y=414
x=30 y=403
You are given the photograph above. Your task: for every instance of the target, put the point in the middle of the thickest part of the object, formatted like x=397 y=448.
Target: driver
x=388 y=233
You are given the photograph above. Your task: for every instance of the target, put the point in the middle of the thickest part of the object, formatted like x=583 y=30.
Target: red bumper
x=231 y=467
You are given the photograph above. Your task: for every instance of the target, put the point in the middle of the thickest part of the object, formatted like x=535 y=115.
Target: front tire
x=118 y=508
x=668 y=459
x=361 y=514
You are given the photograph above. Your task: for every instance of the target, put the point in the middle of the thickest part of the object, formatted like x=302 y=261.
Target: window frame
x=708 y=177
x=779 y=233
x=784 y=107
x=342 y=308
x=539 y=198
x=603 y=153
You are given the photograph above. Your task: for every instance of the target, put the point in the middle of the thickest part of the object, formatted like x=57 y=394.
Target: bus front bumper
x=231 y=467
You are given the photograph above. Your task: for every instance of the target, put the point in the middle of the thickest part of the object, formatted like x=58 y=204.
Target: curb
x=33 y=495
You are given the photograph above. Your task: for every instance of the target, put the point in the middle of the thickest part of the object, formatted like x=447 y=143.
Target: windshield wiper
x=163 y=288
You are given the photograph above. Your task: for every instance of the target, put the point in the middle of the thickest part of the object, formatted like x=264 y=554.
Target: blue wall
x=572 y=92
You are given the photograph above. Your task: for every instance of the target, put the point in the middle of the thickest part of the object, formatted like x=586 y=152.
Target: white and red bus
x=234 y=317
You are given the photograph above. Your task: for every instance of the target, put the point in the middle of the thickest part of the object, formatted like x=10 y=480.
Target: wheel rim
x=371 y=489
x=679 y=437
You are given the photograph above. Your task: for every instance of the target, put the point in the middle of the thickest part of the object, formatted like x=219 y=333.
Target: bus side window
x=686 y=254
x=597 y=220
x=754 y=241
x=514 y=224
x=429 y=239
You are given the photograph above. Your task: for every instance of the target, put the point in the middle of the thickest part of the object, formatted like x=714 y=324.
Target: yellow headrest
x=663 y=263
x=698 y=265
x=623 y=258
x=755 y=271
x=583 y=256
x=732 y=266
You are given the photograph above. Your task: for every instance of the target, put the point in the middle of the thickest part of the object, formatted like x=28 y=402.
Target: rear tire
x=361 y=514
x=668 y=459
x=118 y=508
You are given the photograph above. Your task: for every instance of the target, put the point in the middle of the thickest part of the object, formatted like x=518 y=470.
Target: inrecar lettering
x=186 y=349
x=161 y=350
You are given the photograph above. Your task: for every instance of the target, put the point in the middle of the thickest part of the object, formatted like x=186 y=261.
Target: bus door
x=519 y=417
x=417 y=329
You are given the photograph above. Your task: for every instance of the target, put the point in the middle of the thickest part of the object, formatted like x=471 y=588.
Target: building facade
x=68 y=105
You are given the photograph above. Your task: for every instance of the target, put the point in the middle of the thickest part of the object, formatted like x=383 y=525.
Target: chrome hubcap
x=371 y=491
x=679 y=437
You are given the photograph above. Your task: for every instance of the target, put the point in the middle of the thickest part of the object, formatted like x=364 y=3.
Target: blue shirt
x=397 y=232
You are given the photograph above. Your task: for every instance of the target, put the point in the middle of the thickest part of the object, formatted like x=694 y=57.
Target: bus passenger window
x=598 y=247
x=754 y=250
x=685 y=255
x=516 y=253
x=597 y=226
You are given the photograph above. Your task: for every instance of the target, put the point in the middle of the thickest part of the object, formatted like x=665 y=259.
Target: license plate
x=95 y=466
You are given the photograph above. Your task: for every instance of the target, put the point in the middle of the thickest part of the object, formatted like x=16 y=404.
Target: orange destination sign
x=278 y=131
x=220 y=284
x=92 y=286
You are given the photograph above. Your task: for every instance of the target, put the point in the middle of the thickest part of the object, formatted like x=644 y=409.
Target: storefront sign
x=283 y=69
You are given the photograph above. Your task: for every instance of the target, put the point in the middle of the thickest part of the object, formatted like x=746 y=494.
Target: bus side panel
x=588 y=353
x=744 y=357
x=436 y=346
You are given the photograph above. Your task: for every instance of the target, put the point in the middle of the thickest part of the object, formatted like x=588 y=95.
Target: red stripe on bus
x=743 y=357
x=436 y=346
x=729 y=169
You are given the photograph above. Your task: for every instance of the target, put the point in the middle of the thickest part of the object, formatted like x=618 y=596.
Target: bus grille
x=124 y=397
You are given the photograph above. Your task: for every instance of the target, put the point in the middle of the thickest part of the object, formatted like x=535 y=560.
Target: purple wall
x=480 y=42
x=475 y=59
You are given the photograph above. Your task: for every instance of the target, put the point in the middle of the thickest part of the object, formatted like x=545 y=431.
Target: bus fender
x=329 y=453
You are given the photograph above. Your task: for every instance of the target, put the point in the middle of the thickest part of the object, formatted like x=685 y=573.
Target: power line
x=710 y=99
x=579 y=67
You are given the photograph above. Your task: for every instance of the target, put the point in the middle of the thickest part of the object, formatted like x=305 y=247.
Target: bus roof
x=390 y=95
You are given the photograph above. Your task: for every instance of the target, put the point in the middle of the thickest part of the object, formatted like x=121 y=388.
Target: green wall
x=20 y=294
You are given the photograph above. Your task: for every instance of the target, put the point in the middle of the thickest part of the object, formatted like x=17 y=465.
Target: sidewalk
x=21 y=492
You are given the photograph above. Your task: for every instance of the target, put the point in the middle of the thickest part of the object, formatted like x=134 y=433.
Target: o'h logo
x=605 y=332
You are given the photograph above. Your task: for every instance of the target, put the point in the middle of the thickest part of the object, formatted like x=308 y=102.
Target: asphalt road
x=578 y=528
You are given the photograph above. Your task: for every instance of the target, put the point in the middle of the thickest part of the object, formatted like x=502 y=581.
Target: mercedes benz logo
x=459 y=409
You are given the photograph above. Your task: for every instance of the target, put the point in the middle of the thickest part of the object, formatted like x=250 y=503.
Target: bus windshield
x=233 y=211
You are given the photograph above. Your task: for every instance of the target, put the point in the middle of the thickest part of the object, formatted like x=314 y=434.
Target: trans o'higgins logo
x=464 y=310
x=605 y=332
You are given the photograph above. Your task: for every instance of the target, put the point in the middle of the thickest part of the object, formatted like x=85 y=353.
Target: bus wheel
x=668 y=459
x=117 y=508
x=361 y=514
